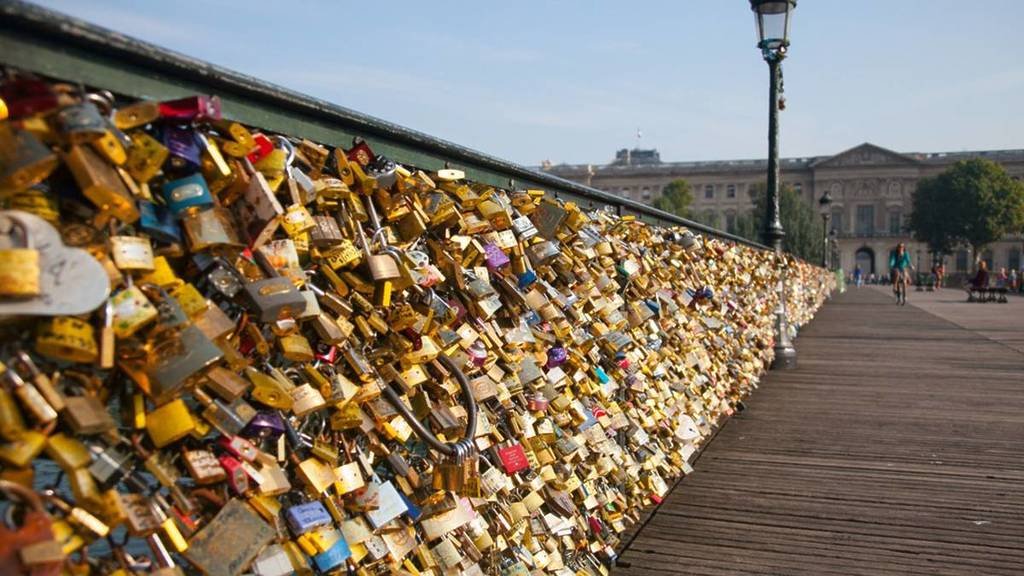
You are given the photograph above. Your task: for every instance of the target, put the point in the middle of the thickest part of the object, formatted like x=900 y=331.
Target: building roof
x=648 y=162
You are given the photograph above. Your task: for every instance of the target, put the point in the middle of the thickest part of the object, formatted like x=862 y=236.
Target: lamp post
x=833 y=250
x=917 y=275
x=772 y=17
x=825 y=205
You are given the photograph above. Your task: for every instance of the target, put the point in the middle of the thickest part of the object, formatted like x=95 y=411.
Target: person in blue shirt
x=900 y=266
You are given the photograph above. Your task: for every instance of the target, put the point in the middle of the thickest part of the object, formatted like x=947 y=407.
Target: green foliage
x=973 y=202
x=708 y=218
x=801 y=223
x=676 y=198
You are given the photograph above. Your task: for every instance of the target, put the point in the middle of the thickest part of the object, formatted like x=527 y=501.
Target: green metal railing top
x=52 y=44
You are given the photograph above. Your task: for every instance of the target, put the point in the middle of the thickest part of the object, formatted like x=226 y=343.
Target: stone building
x=871 y=189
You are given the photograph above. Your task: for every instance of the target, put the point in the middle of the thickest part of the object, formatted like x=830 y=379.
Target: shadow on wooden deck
x=896 y=447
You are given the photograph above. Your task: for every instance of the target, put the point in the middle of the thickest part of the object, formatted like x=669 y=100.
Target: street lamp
x=772 y=18
x=833 y=250
x=918 y=276
x=825 y=205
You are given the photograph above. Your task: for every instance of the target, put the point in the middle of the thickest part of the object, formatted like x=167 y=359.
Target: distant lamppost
x=772 y=18
x=918 y=276
x=825 y=205
x=833 y=246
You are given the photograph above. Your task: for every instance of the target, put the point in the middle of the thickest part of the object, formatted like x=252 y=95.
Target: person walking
x=899 y=268
x=940 y=275
x=858 y=276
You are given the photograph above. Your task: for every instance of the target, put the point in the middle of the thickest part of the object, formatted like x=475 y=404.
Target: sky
x=573 y=81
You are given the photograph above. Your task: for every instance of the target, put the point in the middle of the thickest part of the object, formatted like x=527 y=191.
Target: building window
x=1013 y=260
x=730 y=223
x=730 y=191
x=866 y=219
x=837 y=219
x=895 y=222
x=798 y=187
x=961 y=261
x=647 y=193
x=709 y=191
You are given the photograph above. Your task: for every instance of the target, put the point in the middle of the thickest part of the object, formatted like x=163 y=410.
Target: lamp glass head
x=772 y=18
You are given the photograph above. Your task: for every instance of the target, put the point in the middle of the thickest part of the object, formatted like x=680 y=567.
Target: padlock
x=158 y=222
x=192 y=108
x=101 y=184
x=31 y=399
x=233 y=538
x=24 y=160
x=81 y=123
x=203 y=467
x=302 y=518
x=169 y=423
x=181 y=142
x=19 y=261
x=259 y=212
x=272 y=298
x=68 y=339
x=110 y=464
x=131 y=253
x=31 y=547
x=177 y=359
x=20 y=452
x=186 y=193
x=131 y=311
x=78 y=516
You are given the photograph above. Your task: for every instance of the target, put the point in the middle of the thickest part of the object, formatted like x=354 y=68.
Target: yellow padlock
x=169 y=423
x=68 y=339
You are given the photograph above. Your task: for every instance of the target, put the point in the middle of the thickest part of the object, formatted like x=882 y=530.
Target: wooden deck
x=896 y=447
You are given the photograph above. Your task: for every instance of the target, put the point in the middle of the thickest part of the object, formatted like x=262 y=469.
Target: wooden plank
x=896 y=447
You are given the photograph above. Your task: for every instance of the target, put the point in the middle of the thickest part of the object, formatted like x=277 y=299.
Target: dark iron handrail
x=46 y=42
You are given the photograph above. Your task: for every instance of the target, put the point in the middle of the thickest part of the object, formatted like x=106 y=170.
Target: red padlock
x=513 y=458
x=31 y=548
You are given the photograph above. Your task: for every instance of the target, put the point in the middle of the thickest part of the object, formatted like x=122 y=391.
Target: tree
x=973 y=202
x=708 y=218
x=676 y=198
x=801 y=223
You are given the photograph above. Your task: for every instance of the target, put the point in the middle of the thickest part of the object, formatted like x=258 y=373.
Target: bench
x=988 y=294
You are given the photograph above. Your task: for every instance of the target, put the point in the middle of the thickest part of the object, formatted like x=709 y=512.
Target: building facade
x=871 y=189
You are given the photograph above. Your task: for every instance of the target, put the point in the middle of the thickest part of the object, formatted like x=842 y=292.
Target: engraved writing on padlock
x=185 y=193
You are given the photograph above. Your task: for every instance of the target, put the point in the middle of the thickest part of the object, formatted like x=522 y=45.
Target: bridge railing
x=49 y=43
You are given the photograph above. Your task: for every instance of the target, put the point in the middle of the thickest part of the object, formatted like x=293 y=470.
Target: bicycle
x=901 y=280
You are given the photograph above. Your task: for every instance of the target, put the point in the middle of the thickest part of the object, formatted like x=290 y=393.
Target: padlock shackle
x=15 y=491
x=424 y=433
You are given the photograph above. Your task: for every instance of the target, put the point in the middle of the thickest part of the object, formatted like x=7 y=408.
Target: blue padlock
x=183 y=144
x=188 y=192
x=414 y=511
x=526 y=279
x=159 y=223
x=305 y=517
x=333 y=557
x=532 y=318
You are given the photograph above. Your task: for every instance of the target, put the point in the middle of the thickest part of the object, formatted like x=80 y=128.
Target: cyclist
x=900 y=266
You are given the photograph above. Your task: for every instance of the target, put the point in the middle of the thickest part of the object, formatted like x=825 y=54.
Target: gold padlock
x=101 y=184
x=19 y=266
